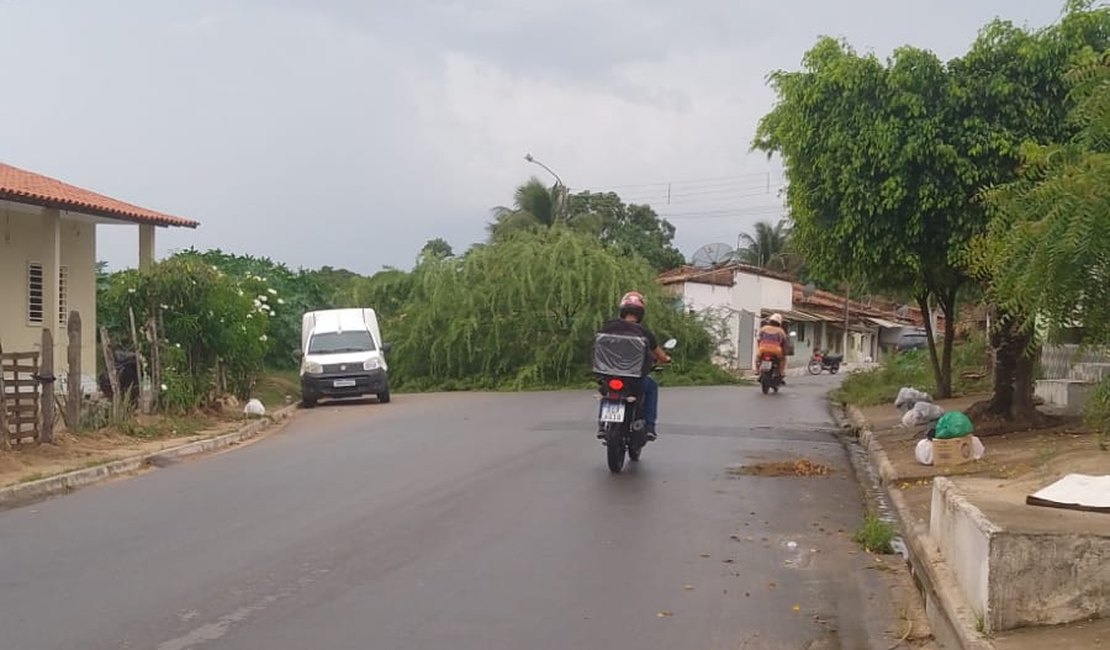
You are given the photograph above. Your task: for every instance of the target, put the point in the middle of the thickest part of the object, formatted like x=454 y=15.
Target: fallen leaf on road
x=771 y=585
x=664 y=614
x=689 y=587
x=706 y=555
x=797 y=608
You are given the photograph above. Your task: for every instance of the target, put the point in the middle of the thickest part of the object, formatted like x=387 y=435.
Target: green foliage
x=437 y=247
x=212 y=327
x=535 y=207
x=875 y=535
x=911 y=368
x=627 y=229
x=769 y=247
x=885 y=160
x=1097 y=412
x=1047 y=251
x=523 y=313
x=286 y=294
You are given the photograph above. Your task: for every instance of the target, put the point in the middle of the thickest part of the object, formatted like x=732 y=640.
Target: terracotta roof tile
x=22 y=186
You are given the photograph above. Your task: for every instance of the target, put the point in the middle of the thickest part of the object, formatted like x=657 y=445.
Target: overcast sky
x=349 y=132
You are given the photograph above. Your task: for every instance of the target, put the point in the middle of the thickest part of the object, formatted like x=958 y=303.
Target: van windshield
x=336 y=342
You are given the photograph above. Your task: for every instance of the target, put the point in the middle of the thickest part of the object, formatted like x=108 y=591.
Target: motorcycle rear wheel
x=614 y=451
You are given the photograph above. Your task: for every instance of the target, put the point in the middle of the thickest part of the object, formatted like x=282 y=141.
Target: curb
x=954 y=623
x=23 y=493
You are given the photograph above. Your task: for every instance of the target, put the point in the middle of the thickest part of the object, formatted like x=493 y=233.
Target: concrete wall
x=21 y=242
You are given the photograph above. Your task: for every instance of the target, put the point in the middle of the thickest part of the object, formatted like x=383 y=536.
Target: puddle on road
x=799 y=467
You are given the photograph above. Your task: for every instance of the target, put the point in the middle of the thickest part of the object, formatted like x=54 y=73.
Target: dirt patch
x=29 y=462
x=799 y=467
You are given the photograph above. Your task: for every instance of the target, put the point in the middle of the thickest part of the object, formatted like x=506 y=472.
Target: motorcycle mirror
x=794 y=334
x=670 y=344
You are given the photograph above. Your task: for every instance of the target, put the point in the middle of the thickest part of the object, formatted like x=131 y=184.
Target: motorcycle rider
x=772 y=339
x=629 y=323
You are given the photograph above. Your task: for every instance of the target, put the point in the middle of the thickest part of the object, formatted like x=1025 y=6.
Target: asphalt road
x=462 y=521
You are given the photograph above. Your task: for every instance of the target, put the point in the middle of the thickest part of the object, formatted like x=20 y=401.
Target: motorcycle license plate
x=612 y=411
x=764 y=366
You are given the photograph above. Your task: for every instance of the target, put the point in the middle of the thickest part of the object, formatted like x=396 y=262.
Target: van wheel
x=384 y=397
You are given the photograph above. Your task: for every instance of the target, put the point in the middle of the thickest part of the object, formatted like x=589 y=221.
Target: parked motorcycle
x=822 y=361
x=621 y=415
x=769 y=378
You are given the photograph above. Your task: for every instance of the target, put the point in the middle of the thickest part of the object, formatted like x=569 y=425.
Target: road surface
x=463 y=521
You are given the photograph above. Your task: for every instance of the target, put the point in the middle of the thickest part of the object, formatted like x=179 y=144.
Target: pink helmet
x=632 y=303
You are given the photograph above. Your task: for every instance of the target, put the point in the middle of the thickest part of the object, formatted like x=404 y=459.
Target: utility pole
x=847 y=291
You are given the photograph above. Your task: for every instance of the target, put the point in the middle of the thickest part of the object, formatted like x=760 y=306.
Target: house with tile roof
x=737 y=296
x=48 y=257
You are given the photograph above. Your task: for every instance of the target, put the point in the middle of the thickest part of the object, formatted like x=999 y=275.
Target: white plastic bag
x=923 y=452
x=254 y=408
x=928 y=412
x=907 y=397
x=922 y=413
x=977 y=448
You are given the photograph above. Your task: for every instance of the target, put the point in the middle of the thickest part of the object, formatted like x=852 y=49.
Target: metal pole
x=561 y=195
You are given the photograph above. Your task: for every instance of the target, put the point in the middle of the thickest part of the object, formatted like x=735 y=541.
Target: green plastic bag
x=953 y=424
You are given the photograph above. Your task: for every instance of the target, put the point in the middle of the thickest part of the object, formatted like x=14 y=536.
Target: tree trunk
x=1013 y=374
x=938 y=375
x=948 y=307
x=1005 y=365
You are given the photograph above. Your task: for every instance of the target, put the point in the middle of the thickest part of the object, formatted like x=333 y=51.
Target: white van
x=342 y=355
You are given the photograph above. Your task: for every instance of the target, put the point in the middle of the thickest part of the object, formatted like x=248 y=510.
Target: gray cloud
x=348 y=133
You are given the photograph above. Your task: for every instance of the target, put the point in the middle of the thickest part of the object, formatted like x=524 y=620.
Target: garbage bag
x=923 y=452
x=907 y=397
x=254 y=408
x=922 y=413
x=953 y=424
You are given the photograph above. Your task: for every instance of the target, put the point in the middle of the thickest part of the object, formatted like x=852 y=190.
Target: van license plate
x=344 y=383
x=612 y=411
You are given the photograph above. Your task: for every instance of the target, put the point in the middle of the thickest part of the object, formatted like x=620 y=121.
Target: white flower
x=263 y=338
x=257 y=303
x=250 y=315
x=240 y=292
x=165 y=306
x=281 y=301
x=177 y=345
x=164 y=387
x=131 y=290
x=263 y=298
x=265 y=308
x=272 y=292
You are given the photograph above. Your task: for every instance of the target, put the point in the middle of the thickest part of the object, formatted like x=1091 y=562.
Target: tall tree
x=1047 y=251
x=885 y=160
x=768 y=247
x=628 y=229
x=436 y=248
x=535 y=206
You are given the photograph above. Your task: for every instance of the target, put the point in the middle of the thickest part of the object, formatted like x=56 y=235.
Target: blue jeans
x=651 y=402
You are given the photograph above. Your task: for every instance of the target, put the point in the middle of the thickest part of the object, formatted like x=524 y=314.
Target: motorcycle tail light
x=616 y=384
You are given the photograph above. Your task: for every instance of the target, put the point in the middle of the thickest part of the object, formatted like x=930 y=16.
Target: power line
x=713 y=180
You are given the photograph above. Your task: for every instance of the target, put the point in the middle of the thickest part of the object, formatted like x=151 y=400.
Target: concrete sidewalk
x=993 y=571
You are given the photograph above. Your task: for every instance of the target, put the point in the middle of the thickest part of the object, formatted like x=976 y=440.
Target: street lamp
x=560 y=186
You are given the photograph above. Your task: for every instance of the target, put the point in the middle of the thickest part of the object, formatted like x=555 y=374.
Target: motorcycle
x=769 y=378
x=621 y=416
x=822 y=361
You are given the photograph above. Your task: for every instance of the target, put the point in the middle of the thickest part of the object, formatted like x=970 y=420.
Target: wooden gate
x=19 y=397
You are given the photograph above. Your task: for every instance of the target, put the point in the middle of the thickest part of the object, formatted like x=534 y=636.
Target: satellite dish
x=712 y=255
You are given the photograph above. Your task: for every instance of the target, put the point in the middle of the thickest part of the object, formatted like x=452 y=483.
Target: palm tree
x=534 y=206
x=769 y=247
